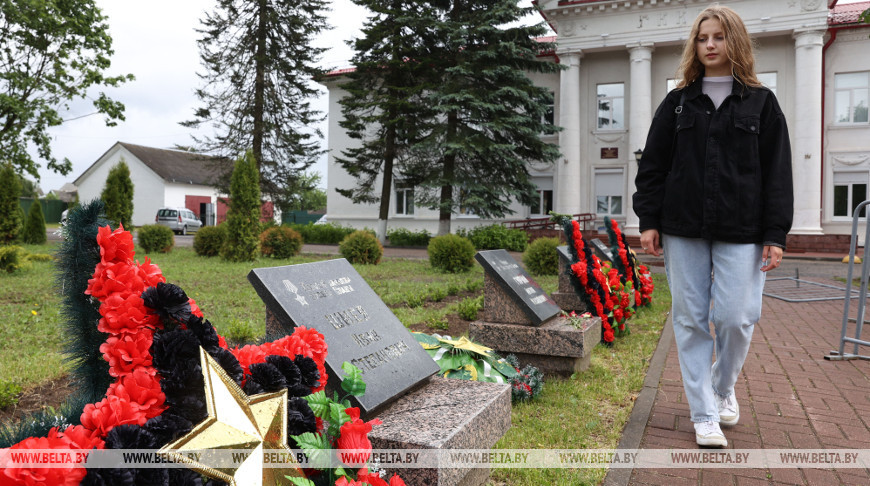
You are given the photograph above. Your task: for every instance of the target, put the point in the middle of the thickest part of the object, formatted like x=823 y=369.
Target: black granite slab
x=358 y=327
x=602 y=251
x=518 y=285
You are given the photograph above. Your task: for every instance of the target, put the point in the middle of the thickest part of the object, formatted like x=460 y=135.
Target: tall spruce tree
x=34 y=225
x=118 y=195
x=10 y=209
x=243 y=217
x=491 y=115
x=258 y=61
x=384 y=109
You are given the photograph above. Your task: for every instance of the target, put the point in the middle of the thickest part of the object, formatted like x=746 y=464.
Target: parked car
x=179 y=220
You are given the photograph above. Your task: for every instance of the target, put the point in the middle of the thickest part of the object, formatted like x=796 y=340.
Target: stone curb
x=633 y=431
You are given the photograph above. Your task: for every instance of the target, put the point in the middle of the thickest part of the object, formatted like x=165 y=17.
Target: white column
x=640 y=101
x=567 y=172
x=806 y=135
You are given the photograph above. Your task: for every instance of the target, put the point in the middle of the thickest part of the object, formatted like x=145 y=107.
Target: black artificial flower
x=130 y=436
x=229 y=363
x=308 y=368
x=300 y=418
x=182 y=382
x=191 y=407
x=295 y=387
x=268 y=376
x=152 y=477
x=167 y=301
x=168 y=426
x=184 y=477
x=252 y=387
x=204 y=331
x=99 y=476
x=173 y=350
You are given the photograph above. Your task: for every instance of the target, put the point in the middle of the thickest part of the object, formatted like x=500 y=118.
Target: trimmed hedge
x=542 y=258
x=154 y=237
x=361 y=247
x=497 y=237
x=209 y=240
x=406 y=237
x=280 y=242
x=322 y=234
x=451 y=253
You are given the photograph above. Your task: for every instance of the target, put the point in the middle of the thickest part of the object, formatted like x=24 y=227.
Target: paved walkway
x=790 y=398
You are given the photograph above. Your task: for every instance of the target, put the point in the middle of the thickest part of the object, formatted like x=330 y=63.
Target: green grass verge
x=588 y=410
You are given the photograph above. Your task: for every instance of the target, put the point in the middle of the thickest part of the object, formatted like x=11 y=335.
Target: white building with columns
x=621 y=58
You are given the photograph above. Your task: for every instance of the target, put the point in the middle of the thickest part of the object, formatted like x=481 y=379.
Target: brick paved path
x=789 y=395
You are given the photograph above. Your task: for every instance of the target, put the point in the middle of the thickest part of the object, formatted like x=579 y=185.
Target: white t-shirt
x=717 y=88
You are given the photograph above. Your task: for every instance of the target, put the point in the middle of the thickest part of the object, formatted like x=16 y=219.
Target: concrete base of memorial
x=445 y=414
x=555 y=347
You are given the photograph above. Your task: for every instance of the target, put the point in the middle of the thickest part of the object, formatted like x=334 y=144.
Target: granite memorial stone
x=515 y=290
x=602 y=251
x=566 y=297
x=358 y=327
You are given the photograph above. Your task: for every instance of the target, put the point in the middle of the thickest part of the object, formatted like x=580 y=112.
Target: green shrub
x=438 y=323
x=209 y=240
x=468 y=308
x=406 y=237
x=322 y=234
x=361 y=247
x=497 y=237
x=9 y=393
x=10 y=209
x=39 y=257
x=154 y=237
x=118 y=195
x=34 y=225
x=415 y=301
x=542 y=258
x=437 y=294
x=453 y=289
x=451 y=253
x=280 y=242
x=473 y=285
x=13 y=258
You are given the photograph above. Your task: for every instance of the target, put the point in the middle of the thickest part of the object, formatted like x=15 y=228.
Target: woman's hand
x=771 y=257
x=651 y=242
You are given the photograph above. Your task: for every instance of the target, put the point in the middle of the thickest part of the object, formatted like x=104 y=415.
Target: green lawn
x=587 y=410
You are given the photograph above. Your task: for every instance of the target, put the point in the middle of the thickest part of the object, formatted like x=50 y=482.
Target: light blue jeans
x=718 y=282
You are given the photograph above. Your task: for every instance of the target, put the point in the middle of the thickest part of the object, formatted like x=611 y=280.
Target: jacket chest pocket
x=746 y=129
x=684 y=140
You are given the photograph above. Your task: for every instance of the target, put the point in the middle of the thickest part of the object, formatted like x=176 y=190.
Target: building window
x=609 y=190
x=769 y=80
x=549 y=117
x=611 y=106
x=404 y=199
x=851 y=97
x=543 y=204
x=850 y=190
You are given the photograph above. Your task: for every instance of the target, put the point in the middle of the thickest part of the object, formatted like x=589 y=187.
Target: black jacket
x=722 y=175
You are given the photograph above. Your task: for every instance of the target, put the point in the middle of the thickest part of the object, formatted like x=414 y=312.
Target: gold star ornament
x=254 y=428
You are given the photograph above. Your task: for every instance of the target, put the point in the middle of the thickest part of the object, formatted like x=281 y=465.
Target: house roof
x=847 y=13
x=175 y=165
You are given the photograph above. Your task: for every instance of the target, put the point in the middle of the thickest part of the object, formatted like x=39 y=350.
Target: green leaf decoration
x=428 y=342
x=300 y=481
x=319 y=404
x=353 y=383
x=337 y=415
x=314 y=446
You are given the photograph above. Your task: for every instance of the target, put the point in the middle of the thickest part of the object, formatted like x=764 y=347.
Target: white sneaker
x=729 y=411
x=709 y=434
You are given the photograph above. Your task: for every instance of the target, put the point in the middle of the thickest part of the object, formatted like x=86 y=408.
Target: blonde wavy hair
x=737 y=40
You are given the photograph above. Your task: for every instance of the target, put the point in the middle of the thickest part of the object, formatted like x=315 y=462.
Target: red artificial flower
x=115 y=246
x=617 y=315
x=194 y=309
x=608 y=335
x=115 y=278
x=127 y=352
x=249 y=355
x=222 y=342
x=374 y=479
x=82 y=438
x=68 y=475
x=342 y=481
x=141 y=388
x=126 y=315
x=150 y=274
x=353 y=442
x=103 y=416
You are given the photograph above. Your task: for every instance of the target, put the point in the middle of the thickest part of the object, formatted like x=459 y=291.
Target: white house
x=621 y=58
x=161 y=178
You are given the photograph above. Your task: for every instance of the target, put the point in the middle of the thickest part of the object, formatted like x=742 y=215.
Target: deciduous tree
x=53 y=52
x=258 y=61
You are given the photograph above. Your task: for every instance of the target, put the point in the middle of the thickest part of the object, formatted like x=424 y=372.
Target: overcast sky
x=156 y=42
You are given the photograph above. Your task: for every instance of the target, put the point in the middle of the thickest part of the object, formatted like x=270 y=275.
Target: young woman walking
x=714 y=192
